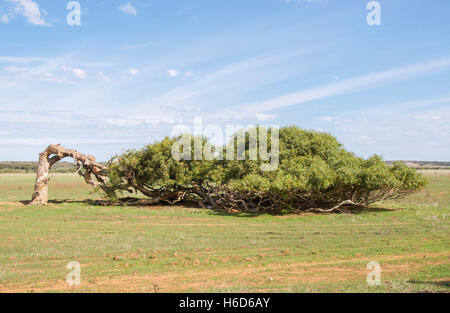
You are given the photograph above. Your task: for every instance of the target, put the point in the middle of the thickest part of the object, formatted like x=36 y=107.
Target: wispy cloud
x=134 y=71
x=13 y=59
x=232 y=79
x=130 y=47
x=78 y=72
x=5 y=18
x=27 y=8
x=173 y=73
x=104 y=77
x=348 y=85
x=24 y=71
x=389 y=127
x=128 y=9
x=15 y=69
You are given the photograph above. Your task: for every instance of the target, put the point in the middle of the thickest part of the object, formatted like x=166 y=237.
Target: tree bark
x=86 y=165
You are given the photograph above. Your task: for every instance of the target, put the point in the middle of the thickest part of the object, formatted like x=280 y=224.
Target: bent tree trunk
x=85 y=164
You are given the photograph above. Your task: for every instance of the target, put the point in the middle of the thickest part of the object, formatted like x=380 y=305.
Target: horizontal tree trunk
x=86 y=164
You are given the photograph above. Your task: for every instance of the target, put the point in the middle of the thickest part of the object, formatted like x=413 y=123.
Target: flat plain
x=184 y=249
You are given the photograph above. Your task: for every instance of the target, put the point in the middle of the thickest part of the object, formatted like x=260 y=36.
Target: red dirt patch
x=201 y=279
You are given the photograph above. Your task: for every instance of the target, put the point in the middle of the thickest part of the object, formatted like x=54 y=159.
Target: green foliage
x=314 y=171
x=153 y=171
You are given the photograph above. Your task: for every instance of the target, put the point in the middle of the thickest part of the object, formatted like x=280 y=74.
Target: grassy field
x=178 y=249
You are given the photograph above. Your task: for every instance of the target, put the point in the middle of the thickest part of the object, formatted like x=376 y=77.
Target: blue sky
x=133 y=70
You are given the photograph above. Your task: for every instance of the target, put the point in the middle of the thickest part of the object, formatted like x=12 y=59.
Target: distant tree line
x=31 y=167
x=432 y=165
x=69 y=167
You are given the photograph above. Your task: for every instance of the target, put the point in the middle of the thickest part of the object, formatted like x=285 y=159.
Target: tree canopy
x=314 y=173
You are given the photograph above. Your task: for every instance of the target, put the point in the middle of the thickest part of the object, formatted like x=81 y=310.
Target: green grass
x=178 y=249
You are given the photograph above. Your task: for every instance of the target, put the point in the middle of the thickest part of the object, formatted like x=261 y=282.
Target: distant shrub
x=315 y=173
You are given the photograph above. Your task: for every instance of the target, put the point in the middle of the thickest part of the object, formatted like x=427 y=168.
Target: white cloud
x=5 y=18
x=348 y=85
x=134 y=71
x=328 y=118
x=386 y=129
x=48 y=77
x=265 y=117
x=130 y=47
x=235 y=78
x=8 y=59
x=79 y=73
x=15 y=69
x=173 y=73
x=27 y=8
x=366 y=140
x=104 y=77
x=42 y=141
x=128 y=9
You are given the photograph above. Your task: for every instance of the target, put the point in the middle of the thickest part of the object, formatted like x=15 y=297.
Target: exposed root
x=336 y=208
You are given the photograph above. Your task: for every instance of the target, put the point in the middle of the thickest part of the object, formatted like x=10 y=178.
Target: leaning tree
x=86 y=168
x=315 y=174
